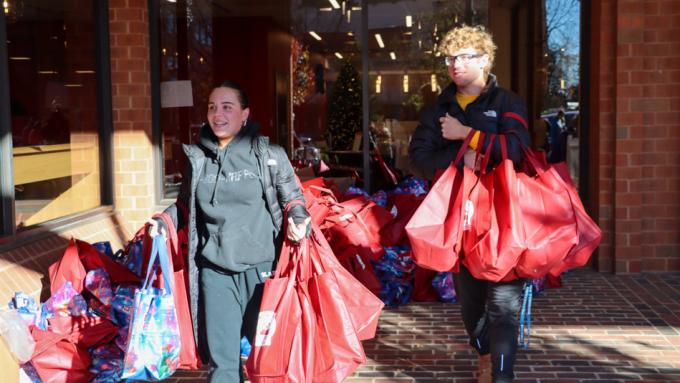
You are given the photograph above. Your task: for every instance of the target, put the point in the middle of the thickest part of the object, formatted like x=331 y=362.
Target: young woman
x=233 y=198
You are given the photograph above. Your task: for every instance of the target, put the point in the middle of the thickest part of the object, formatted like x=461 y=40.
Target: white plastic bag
x=16 y=335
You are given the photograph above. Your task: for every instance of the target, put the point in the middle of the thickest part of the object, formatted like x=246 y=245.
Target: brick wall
x=639 y=134
x=131 y=94
x=25 y=268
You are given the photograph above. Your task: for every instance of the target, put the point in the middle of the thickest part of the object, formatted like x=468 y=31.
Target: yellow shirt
x=464 y=100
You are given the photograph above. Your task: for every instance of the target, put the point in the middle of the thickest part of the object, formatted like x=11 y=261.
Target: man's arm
x=428 y=151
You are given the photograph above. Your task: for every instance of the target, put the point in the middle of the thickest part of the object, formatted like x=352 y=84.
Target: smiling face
x=471 y=72
x=226 y=116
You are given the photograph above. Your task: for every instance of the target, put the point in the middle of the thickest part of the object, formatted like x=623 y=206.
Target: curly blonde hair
x=469 y=37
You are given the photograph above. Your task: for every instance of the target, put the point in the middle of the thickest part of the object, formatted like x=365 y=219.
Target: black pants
x=489 y=311
x=230 y=304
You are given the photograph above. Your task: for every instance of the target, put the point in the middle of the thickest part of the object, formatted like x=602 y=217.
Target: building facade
x=94 y=105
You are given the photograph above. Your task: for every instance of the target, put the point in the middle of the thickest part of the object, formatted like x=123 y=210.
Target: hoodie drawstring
x=220 y=157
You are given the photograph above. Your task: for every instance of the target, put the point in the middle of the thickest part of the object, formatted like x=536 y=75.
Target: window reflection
x=559 y=130
x=53 y=107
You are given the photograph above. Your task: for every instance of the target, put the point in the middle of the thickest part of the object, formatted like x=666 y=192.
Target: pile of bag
x=100 y=324
x=367 y=234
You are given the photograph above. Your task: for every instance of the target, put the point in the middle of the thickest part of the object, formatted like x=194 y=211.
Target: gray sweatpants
x=231 y=303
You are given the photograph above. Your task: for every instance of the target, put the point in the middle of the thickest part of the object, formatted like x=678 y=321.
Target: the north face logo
x=266 y=327
x=491 y=113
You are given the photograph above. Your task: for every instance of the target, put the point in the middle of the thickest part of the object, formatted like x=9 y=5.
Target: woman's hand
x=295 y=233
x=155 y=229
x=452 y=129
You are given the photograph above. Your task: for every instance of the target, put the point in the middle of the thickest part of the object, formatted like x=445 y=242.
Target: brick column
x=640 y=135
x=131 y=94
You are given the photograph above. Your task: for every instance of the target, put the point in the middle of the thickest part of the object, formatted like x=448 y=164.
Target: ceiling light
x=334 y=4
x=313 y=34
x=85 y=71
x=325 y=9
x=47 y=72
x=393 y=56
x=19 y=58
x=355 y=8
x=73 y=85
x=409 y=21
x=379 y=39
x=338 y=55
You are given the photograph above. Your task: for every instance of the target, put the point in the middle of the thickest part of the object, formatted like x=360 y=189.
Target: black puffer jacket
x=279 y=185
x=496 y=110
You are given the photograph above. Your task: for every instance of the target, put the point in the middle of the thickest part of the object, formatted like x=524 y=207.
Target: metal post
x=7 y=223
x=104 y=104
x=364 y=94
x=154 y=69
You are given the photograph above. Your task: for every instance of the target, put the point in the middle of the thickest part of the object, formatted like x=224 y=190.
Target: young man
x=473 y=102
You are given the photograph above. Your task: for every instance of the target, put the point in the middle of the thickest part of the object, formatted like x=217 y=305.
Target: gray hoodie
x=235 y=228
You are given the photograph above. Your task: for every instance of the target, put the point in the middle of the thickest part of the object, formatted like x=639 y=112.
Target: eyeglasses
x=464 y=58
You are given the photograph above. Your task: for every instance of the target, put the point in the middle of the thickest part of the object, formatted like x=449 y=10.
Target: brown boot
x=484 y=369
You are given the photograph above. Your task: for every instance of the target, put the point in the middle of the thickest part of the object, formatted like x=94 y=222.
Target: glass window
x=51 y=51
x=301 y=63
x=185 y=30
x=561 y=85
x=407 y=71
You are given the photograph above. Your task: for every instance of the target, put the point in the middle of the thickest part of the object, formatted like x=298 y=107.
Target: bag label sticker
x=266 y=327
x=469 y=212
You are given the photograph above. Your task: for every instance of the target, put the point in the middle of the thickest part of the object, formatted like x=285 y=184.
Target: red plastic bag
x=523 y=224
x=549 y=219
x=338 y=349
x=61 y=355
x=319 y=202
x=589 y=234
x=436 y=228
x=357 y=223
x=361 y=269
x=81 y=257
x=68 y=268
x=423 y=291
x=364 y=307
x=277 y=348
x=394 y=233
x=189 y=356
x=493 y=238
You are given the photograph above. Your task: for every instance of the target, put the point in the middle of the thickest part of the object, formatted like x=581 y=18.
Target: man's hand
x=469 y=158
x=296 y=232
x=452 y=129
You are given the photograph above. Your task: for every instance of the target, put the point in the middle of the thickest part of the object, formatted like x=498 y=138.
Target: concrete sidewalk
x=597 y=328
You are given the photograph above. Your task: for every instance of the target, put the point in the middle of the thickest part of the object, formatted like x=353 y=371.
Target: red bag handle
x=487 y=154
x=504 y=146
x=463 y=148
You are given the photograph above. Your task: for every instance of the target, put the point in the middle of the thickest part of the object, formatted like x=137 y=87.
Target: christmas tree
x=344 y=109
